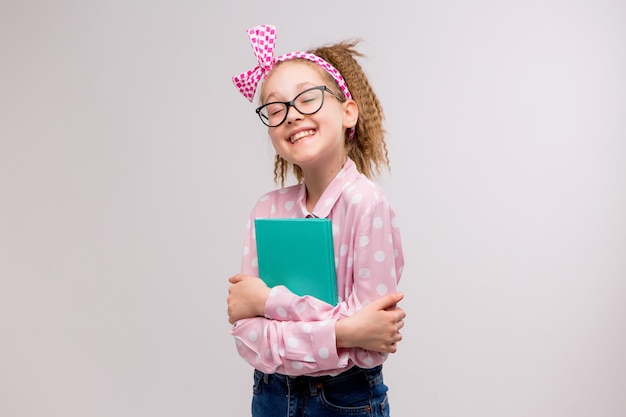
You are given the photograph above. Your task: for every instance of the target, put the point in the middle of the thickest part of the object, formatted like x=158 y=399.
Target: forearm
x=287 y=347
x=345 y=335
x=375 y=327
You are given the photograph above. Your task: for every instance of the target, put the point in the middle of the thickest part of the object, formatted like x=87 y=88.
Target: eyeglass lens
x=307 y=102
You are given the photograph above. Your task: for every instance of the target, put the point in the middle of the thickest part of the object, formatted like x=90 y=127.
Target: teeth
x=301 y=135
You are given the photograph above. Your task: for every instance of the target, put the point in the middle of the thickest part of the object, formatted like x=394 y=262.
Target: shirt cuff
x=279 y=297
x=324 y=345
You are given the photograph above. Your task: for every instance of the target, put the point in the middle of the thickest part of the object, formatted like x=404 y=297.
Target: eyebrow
x=298 y=87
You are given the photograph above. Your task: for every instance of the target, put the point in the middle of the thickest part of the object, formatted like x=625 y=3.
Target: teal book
x=299 y=254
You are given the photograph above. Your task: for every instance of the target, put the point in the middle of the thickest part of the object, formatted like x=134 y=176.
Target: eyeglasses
x=307 y=102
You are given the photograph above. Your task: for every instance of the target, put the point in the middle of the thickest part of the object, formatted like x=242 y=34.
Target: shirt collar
x=348 y=174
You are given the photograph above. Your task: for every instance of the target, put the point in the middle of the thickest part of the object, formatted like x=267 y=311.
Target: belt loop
x=266 y=378
x=374 y=375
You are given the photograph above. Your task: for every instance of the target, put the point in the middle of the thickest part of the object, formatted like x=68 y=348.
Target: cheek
x=336 y=121
x=277 y=143
x=273 y=135
x=335 y=117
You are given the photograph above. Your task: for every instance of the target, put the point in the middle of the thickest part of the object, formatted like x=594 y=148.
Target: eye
x=308 y=97
x=274 y=108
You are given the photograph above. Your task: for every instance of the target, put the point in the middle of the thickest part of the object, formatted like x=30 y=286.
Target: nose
x=293 y=114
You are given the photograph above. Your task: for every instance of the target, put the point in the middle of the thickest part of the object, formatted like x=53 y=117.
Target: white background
x=129 y=162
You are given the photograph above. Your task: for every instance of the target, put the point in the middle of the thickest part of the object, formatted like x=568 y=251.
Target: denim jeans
x=356 y=392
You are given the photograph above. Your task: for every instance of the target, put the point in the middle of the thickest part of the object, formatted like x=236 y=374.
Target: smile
x=300 y=135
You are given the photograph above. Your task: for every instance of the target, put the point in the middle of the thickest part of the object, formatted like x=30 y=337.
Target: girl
x=325 y=123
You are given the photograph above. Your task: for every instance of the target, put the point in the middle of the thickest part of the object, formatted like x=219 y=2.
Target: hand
x=374 y=327
x=246 y=297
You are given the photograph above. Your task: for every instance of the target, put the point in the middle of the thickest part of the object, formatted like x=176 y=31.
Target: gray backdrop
x=128 y=164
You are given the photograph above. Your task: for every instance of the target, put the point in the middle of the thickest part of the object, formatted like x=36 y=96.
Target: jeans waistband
x=373 y=375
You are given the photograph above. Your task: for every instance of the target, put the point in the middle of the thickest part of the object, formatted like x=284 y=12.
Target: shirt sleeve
x=297 y=334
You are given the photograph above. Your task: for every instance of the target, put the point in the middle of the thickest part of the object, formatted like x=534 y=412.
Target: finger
x=230 y=316
x=234 y=279
x=387 y=301
x=398 y=313
x=398 y=337
x=400 y=325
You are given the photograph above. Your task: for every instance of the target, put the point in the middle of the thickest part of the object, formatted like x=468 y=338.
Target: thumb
x=234 y=279
x=387 y=301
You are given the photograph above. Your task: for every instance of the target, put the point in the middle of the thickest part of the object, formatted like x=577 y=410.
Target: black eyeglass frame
x=292 y=103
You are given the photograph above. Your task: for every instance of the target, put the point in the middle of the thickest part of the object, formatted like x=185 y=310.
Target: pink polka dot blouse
x=297 y=334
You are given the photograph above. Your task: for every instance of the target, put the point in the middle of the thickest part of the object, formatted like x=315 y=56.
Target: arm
x=300 y=335
x=298 y=348
x=376 y=327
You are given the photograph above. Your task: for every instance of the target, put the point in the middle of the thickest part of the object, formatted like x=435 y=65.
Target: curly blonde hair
x=367 y=147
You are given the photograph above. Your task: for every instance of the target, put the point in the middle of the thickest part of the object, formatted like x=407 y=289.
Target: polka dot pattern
x=263 y=40
x=297 y=336
x=323 y=353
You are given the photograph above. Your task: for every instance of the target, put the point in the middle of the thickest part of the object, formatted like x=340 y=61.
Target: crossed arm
x=375 y=327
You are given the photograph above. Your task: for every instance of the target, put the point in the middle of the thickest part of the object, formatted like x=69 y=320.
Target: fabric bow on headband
x=263 y=40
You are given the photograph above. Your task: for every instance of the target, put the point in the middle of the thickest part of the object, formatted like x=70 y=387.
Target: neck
x=318 y=178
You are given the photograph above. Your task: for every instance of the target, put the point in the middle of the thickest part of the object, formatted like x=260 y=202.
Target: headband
x=263 y=40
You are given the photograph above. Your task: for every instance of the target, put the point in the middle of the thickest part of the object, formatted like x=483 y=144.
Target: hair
x=367 y=147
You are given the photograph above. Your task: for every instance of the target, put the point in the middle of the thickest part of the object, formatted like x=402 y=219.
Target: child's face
x=307 y=140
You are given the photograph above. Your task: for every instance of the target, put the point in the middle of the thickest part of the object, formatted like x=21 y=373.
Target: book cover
x=299 y=254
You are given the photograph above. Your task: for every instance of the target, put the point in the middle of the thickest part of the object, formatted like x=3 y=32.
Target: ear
x=350 y=114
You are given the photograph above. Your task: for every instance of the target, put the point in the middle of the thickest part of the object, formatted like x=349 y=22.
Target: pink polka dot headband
x=263 y=40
